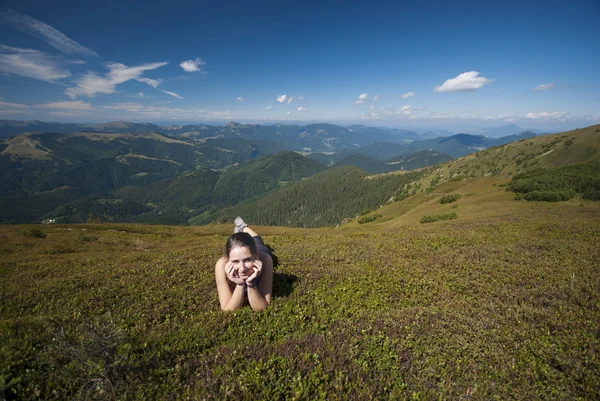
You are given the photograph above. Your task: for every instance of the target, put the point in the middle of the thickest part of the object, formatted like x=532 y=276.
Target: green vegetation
x=559 y=184
x=438 y=217
x=383 y=311
x=450 y=198
x=34 y=232
x=325 y=199
x=368 y=219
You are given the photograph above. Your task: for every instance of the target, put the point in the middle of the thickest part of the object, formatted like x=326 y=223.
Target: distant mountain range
x=124 y=171
x=307 y=138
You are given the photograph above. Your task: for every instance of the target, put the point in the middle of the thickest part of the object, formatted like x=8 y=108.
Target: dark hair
x=240 y=239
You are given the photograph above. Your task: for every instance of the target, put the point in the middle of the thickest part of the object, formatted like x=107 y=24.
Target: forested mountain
x=419 y=159
x=43 y=171
x=324 y=199
x=191 y=172
x=371 y=166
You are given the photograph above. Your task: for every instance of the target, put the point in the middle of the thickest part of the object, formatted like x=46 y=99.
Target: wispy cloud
x=376 y=97
x=152 y=82
x=549 y=86
x=38 y=29
x=66 y=105
x=282 y=98
x=268 y=107
x=12 y=105
x=544 y=115
x=544 y=87
x=136 y=110
x=239 y=99
x=301 y=109
x=192 y=65
x=91 y=84
x=467 y=81
x=172 y=94
x=13 y=108
x=407 y=95
x=361 y=99
x=31 y=64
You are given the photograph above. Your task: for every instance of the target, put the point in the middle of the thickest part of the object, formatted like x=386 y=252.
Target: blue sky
x=406 y=64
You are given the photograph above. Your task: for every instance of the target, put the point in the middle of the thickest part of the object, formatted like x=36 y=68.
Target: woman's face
x=242 y=259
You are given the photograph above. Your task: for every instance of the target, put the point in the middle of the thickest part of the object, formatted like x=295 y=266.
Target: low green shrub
x=34 y=232
x=437 y=217
x=366 y=211
x=86 y=238
x=368 y=219
x=450 y=198
x=549 y=196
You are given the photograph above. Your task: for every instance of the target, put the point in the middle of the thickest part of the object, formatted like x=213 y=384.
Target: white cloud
x=91 y=84
x=167 y=113
x=544 y=87
x=361 y=99
x=171 y=94
x=376 y=97
x=12 y=105
x=152 y=82
x=549 y=86
x=67 y=105
x=13 y=108
x=268 y=107
x=467 y=81
x=407 y=95
x=192 y=65
x=129 y=106
x=239 y=99
x=372 y=108
x=282 y=98
x=36 y=28
x=31 y=64
x=290 y=100
x=405 y=107
x=140 y=94
x=287 y=112
x=557 y=115
x=65 y=113
x=300 y=108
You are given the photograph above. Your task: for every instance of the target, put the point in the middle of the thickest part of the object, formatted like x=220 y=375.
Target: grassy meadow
x=502 y=302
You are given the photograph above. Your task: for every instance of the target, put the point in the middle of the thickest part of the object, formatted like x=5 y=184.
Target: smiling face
x=242 y=260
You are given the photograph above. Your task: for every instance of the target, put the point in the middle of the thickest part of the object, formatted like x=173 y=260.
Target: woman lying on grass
x=246 y=268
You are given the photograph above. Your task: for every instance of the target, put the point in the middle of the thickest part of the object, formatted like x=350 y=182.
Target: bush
x=558 y=184
x=368 y=219
x=366 y=211
x=450 y=198
x=437 y=217
x=86 y=238
x=549 y=196
x=34 y=232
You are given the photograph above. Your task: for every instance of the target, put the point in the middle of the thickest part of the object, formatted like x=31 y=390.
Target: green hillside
x=419 y=159
x=501 y=306
x=324 y=199
x=41 y=172
x=545 y=151
x=371 y=166
x=500 y=302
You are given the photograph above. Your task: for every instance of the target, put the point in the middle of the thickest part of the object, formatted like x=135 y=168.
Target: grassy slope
x=499 y=307
x=501 y=303
x=545 y=151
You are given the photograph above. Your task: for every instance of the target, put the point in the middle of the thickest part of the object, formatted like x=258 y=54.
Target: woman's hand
x=258 y=265
x=232 y=274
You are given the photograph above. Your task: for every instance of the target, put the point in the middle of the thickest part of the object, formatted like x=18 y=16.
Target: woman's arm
x=229 y=300
x=259 y=296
